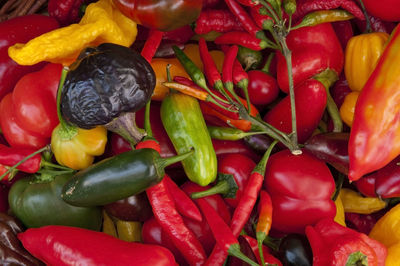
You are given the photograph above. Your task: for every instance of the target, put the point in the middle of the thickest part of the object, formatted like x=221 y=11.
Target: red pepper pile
x=267 y=77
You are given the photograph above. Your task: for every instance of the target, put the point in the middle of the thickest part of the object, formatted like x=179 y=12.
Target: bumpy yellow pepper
x=362 y=54
x=101 y=23
x=76 y=147
x=356 y=203
x=387 y=231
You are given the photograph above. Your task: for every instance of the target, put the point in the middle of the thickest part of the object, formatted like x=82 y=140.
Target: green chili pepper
x=323 y=16
x=38 y=203
x=229 y=133
x=289 y=6
x=182 y=119
x=117 y=177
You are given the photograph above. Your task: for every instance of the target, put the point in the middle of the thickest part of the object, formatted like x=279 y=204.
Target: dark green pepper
x=105 y=82
x=117 y=177
x=38 y=203
x=182 y=119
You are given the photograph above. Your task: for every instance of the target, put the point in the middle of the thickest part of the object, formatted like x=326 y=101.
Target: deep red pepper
x=151 y=45
x=242 y=38
x=377 y=25
x=344 y=31
x=225 y=147
x=19 y=30
x=65 y=11
x=306 y=6
x=210 y=3
x=11 y=156
x=263 y=88
x=227 y=68
x=366 y=185
x=362 y=223
x=314 y=49
x=244 y=18
x=267 y=255
x=64 y=245
x=339 y=90
x=301 y=187
x=180 y=35
x=334 y=244
x=307 y=116
x=262 y=21
x=210 y=69
x=218 y=20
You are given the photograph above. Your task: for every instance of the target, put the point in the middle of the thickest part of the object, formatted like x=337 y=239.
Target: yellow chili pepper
x=356 y=203
x=361 y=55
x=101 y=23
x=348 y=107
x=129 y=230
x=339 y=218
x=387 y=231
x=77 y=147
x=108 y=225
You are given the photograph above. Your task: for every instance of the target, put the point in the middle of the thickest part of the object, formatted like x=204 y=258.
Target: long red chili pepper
x=223 y=235
x=11 y=156
x=247 y=2
x=245 y=19
x=264 y=220
x=212 y=74
x=227 y=68
x=151 y=45
x=263 y=21
x=244 y=39
x=219 y=20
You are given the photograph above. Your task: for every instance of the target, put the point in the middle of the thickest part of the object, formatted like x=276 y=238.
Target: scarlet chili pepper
x=19 y=30
x=247 y=2
x=66 y=12
x=269 y=259
x=63 y=245
x=245 y=19
x=151 y=45
x=263 y=21
x=227 y=69
x=306 y=6
x=264 y=220
x=218 y=20
x=10 y=156
x=334 y=244
x=242 y=38
x=344 y=31
x=373 y=137
x=210 y=69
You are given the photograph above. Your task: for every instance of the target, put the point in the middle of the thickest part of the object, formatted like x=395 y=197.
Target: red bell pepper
x=64 y=245
x=334 y=244
x=65 y=11
x=301 y=187
x=314 y=49
x=19 y=30
x=374 y=138
x=30 y=112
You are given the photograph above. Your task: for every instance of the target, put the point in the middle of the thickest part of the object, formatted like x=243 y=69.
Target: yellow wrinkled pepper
x=356 y=203
x=77 y=147
x=387 y=231
x=361 y=55
x=101 y=23
x=339 y=217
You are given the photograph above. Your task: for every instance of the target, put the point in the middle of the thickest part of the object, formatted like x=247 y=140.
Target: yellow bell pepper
x=356 y=203
x=76 y=147
x=361 y=55
x=387 y=231
x=348 y=107
x=339 y=218
x=101 y=23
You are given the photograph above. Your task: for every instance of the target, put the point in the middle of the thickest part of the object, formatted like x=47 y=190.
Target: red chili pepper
x=306 y=6
x=65 y=245
x=245 y=19
x=366 y=185
x=267 y=255
x=29 y=114
x=362 y=223
x=225 y=147
x=11 y=156
x=65 y=11
x=210 y=69
x=227 y=68
x=218 y=20
x=264 y=221
x=247 y=2
x=242 y=38
x=151 y=45
x=262 y=21
x=334 y=244
x=307 y=116
x=19 y=30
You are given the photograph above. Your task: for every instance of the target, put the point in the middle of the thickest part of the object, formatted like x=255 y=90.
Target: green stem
x=368 y=25
x=147 y=124
x=220 y=188
x=271 y=243
x=260 y=239
x=267 y=64
x=271 y=11
x=48 y=164
x=63 y=123
x=260 y=167
x=339 y=185
x=234 y=250
x=164 y=162
x=12 y=168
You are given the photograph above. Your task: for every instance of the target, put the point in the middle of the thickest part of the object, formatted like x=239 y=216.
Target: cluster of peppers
x=97 y=88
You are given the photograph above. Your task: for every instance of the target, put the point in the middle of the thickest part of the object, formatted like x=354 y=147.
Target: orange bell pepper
x=375 y=133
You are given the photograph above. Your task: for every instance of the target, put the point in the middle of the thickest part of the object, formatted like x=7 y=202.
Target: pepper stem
x=164 y=162
x=234 y=250
x=357 y=259
x=260 y=167
x=368 y=22
x=260 y=239
x=14 y=167
x=267 y=64
x=125 y=126
x=147 y=124
x=226 y=186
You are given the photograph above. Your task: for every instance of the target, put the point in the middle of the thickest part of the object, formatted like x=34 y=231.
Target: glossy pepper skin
x=164 y=15
x=314 y=49
x=374 y=137
x=63 y=245
x=334 y=244
x=38 y=203
x=300 y=187
x=17 y=30
x=355 y=203
x=66 y=12
x=32 y=108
